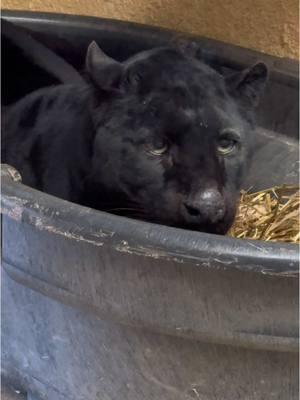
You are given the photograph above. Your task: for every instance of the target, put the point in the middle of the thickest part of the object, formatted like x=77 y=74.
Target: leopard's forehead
x=179 y=94
x=185 y=108
x=168 y=67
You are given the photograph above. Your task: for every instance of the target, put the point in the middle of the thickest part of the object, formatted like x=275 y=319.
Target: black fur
x=143 y=138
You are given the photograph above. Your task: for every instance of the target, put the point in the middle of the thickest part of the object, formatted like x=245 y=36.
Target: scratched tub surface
x=100 y=307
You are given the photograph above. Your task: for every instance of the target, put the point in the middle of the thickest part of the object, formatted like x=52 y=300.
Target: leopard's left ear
x=248 y=86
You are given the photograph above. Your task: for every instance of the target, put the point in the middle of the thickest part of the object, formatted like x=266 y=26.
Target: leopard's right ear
x=105 y=72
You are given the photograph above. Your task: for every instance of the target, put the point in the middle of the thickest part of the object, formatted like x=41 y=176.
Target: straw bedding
x=271 y=214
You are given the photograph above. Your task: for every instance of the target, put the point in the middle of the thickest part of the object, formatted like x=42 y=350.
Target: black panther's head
x=173 y=137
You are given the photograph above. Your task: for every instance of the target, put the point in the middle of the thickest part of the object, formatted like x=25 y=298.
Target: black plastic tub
x=100 y=307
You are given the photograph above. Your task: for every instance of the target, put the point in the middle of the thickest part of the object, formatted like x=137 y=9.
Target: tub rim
x=125 y=235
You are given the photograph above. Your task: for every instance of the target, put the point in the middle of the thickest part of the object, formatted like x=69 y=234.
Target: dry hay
x=271 y=214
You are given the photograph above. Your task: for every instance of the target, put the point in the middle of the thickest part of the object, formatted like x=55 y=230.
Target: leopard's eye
x=227 y=142
x=226 y=145
x=158 y=146
x=159 y=151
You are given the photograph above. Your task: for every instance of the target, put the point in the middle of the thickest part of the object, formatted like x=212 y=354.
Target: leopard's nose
x=207 y=206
